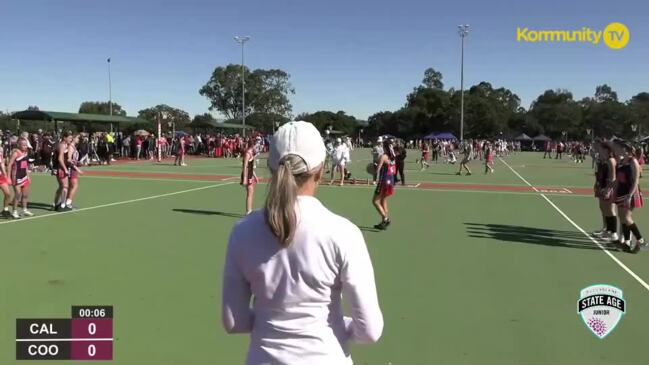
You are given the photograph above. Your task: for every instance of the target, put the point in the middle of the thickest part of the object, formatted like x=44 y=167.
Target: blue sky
x=358 y=56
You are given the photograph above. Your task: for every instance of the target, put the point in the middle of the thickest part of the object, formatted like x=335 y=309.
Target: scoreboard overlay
x=88 y=335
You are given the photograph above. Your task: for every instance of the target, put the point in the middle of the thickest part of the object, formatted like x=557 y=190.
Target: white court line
x=143 y=178
x=61 y=339
x=113 y=204
x=617 y=261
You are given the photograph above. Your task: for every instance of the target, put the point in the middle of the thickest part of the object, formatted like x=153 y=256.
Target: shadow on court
x=209 y=212
x=39 y=206
x=440 y=173
x=368 y=229
x=532 y=235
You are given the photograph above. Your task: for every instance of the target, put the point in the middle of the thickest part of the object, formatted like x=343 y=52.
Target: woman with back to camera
x=297 y=268
x=604 y=189
x=75 y=171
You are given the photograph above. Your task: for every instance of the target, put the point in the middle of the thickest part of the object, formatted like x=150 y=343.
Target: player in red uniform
x=385 y=186
x=628 y=195
x=248 y=176
x=19 y=167
x=489 y=158
x=5 y=182
x=425 y=151
x=180 y=154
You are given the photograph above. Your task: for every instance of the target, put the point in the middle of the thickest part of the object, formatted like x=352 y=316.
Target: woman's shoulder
x=332 y=224
x=249 y=225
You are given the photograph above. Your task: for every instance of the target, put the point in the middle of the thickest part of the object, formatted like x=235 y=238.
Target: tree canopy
x=100 y=107
x=491 y=111
x=324 y=120
x=169 y=115
x=266 y=92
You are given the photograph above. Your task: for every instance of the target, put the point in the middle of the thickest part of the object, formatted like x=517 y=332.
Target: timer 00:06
x=92 y=313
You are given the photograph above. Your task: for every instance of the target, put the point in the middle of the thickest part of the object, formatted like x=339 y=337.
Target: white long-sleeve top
x=296 y=315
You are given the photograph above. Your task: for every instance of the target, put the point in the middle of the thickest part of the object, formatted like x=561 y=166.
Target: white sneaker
x=612 y=237
x=600 y=234
x=26 y=213
x=15 y=215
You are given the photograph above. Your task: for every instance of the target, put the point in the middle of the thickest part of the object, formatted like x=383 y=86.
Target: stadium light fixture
x=463 y=31
x=242 y=41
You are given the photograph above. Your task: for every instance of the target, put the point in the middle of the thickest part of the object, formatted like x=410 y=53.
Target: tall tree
x=556 y=111
x=101 y=107
x=205 y=120
x=267 y=91
x=604 y=93
x=170 y=114
x=338 y=121
x=605 y=114
x=432 y=79
x=639 y=111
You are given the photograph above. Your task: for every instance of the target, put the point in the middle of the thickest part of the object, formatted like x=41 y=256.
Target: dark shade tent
x=213 y=124
x=525 y=140
x=77 y=118
x=443 y=135
x=539 y=141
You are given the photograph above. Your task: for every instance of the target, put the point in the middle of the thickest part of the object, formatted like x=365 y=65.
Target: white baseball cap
x=297 y=138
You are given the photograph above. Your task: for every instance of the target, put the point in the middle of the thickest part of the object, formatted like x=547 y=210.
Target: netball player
x=61 y=171
x=180 y=154
x=75 y=171
x=248 y=176
x=288 y=265
x=467 y=152
x=339 y=162
x=628 y=195
x=425 y=151
x=19 y=167
x=385 y=186
x=489 y=158
x=5 y=182
x=604 y=189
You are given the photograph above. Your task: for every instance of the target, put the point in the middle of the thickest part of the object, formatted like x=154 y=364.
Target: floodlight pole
x=463 y=31
x=242 y=41
x=110 y=90
x=158 y=139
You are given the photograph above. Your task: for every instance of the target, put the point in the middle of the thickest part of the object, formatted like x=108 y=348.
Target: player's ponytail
x=282 y=195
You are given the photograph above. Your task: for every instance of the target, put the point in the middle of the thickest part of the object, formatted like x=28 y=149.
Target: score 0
x=92 y=333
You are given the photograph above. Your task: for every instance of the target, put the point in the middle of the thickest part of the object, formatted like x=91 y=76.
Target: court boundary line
x=56 y=214
x=458 y=187
x=591 y=238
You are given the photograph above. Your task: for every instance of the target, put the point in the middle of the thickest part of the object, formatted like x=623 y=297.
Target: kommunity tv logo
x=615 y=35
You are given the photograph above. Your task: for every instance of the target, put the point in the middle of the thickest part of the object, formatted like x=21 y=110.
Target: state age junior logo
x=601 y=307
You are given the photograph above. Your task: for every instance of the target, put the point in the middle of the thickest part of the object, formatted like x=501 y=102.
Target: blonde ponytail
x=282 y=196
